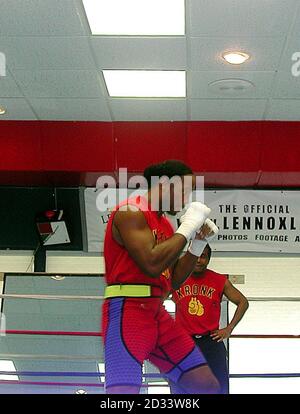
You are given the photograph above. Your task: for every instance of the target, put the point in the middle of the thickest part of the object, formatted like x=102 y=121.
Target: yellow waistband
x=133 y=291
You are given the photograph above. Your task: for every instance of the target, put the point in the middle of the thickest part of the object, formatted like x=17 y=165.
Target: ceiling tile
x=206 y=53
x=148 y=110
x=292 y=46
x=198 y=84
x=47 y=53
x=36 y=17
x=59 y=83
x=295 y=29
x=53 y=60
x=286 y=85
x=227 y=109
x=71 y=109
x=140 y=53
x=241 y=18
x=8 y=87
x=284 y=109
x=16 y=108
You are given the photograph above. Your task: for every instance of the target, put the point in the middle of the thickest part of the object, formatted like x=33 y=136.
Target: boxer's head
x=170 y=184
x=203 y=261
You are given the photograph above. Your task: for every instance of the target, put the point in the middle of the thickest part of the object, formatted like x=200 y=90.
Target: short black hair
x=209 y=250
x=169 y=168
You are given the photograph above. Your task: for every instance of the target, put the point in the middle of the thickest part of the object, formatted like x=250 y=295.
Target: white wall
x=69 y=262
x=16 y=261
x=265 y=276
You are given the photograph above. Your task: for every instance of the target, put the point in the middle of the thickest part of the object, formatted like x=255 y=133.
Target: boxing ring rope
x=266 y=336
x=64 y=384
x=71 y=297
x=98 y=374
x=99 y=334
x=49 y=297
x=54 y=333
x=101 y=385
x=146 y=376
x=51 y=357
x=67 y=374
x=52 y=384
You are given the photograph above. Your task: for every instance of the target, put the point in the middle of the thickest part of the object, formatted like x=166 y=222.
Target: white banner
x=253 y=221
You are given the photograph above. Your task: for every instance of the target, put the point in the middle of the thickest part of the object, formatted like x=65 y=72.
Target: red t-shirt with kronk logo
x=198 y=302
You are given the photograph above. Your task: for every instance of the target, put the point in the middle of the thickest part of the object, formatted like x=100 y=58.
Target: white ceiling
x=54 y=64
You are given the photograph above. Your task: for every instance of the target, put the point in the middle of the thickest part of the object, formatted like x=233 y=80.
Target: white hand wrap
x=197 y=246
x=214 y=230
x=193 y=219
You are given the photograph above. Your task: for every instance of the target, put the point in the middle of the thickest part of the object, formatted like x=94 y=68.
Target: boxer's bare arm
x=131 y=230
x=182 y=269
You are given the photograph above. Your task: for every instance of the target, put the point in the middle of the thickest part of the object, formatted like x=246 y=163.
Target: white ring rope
x=51 y=297
x=68 y=297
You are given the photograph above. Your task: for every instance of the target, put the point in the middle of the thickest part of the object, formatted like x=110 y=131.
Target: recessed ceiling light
x=58 y=277
x=136 y=17
x=145 y=83
x=8 y=366
x=2 y=110
x=236 y=58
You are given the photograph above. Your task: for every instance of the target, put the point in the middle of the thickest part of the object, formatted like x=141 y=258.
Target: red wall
x=232 y=154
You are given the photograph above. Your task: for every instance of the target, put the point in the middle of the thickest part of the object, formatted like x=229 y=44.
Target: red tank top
x=119 y=266
x=198 y=302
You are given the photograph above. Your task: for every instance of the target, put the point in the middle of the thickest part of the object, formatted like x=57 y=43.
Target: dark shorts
x=136 y=329
x=216 y=356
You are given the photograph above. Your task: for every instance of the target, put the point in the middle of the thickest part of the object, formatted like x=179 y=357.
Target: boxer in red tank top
x=142 y=252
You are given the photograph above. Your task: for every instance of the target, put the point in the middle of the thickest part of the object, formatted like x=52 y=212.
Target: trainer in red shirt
x=198 y=309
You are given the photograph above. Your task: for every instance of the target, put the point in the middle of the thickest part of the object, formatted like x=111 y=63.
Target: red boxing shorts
x=136 y=329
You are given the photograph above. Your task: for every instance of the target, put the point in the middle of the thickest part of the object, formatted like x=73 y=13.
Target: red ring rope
x=74 y=333
x=67 y=333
